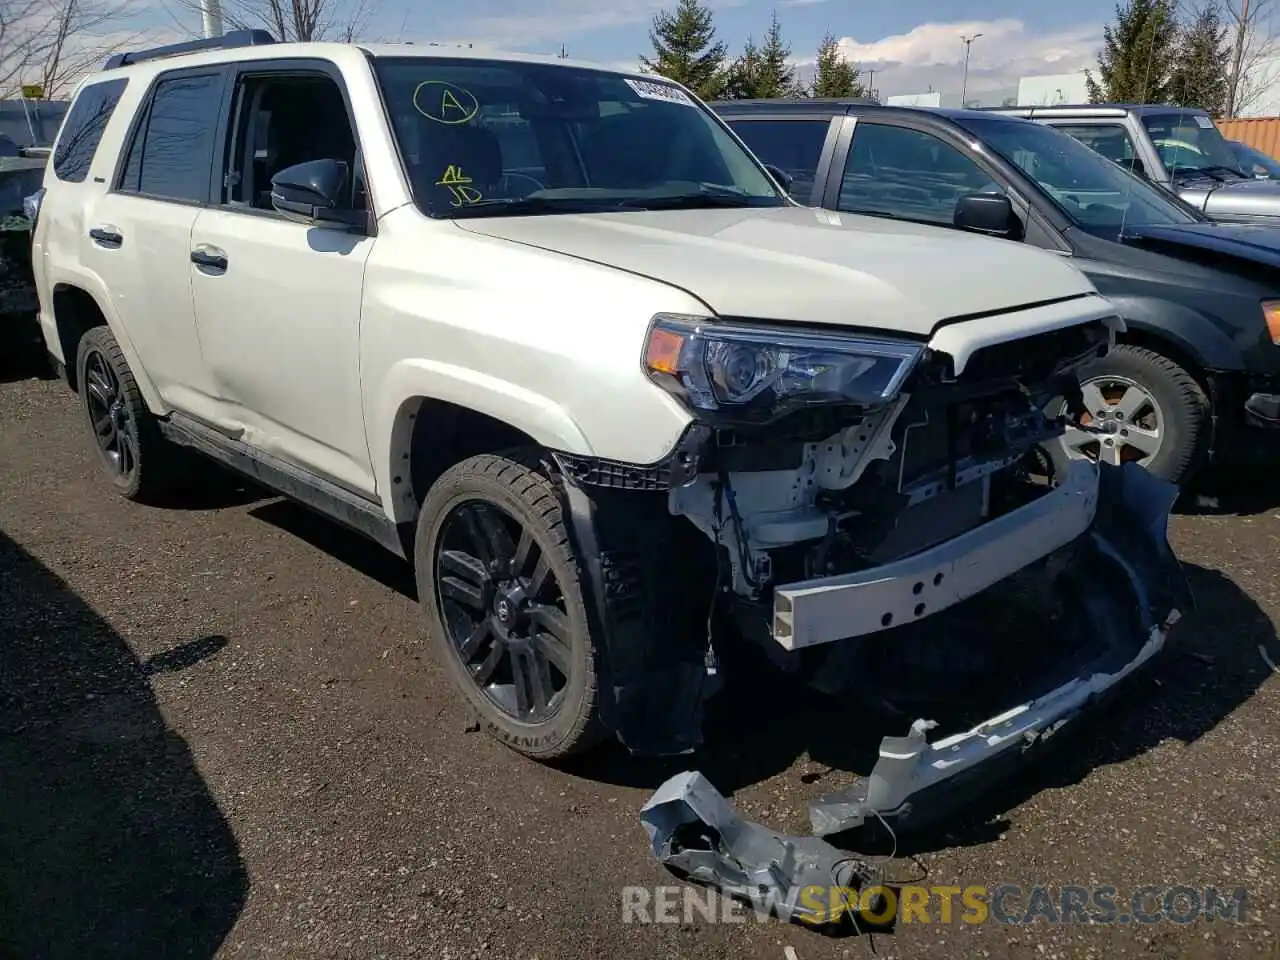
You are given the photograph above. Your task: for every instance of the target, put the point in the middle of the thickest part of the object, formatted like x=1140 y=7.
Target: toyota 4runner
x=552 y=334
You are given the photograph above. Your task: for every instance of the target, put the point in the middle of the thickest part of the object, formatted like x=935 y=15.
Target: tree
x=686 y=51
x=763 y=72
x=1251 y=32
x=53 y=43
x=836 y=76
x=1203 y=63
x=1137 y=58
x=300 y=20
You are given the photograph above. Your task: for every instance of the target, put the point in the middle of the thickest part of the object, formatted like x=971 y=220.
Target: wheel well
x=76 y=313
x=446 y=433
x=1167 y=348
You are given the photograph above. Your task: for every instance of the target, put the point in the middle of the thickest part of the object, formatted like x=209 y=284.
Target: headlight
x=759 y=373
x=1271 y=312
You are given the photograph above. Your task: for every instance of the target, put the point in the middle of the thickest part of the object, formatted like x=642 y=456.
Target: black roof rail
x=228 y=41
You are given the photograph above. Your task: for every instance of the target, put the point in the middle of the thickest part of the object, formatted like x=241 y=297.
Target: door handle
x=210 y=257
x=106 y=236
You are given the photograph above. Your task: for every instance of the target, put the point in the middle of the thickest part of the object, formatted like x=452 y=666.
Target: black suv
x=1198 y=370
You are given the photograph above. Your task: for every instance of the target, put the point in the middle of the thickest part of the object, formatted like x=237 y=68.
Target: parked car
x=31 y=124
x=1178 y=148
x=1254 y=161
x=1195 y=374
x=19 y=177
x=598 y=397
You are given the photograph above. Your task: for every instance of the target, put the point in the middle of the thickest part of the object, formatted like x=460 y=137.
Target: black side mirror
x=785 y=180
x=989 y=213
x=1135 y=166
x=315 y=192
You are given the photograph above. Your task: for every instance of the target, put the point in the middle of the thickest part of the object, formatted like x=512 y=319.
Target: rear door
x=137 y=235
x=800 y=146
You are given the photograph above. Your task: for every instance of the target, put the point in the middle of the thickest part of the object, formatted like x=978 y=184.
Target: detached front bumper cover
x=1128 y=589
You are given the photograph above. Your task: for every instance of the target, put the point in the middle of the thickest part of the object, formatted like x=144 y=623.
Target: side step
x=353 y=511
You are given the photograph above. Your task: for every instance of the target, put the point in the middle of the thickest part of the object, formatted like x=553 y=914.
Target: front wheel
x=498 y=582
x=1140 y=407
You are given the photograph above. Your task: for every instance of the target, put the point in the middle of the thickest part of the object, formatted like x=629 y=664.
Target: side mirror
x=785 y=180
x=988 y=213
x=1135 y=166
x=313 y=192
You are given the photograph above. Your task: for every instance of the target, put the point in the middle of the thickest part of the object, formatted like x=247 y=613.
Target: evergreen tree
x=1204 y=62
x=1137 y=59
x=686 y=51
x=836 y=76
x=764 y=72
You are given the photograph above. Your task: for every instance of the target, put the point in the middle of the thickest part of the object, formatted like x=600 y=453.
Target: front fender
x=411 y=381
x=1192 y=332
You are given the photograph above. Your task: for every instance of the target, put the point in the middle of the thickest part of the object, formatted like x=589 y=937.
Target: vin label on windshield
x=660 y=91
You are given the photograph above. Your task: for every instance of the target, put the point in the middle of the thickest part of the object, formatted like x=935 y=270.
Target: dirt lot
x=221 y=735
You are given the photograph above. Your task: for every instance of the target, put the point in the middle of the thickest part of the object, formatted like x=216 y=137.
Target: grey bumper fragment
x=697 y=835
x=1129 y=589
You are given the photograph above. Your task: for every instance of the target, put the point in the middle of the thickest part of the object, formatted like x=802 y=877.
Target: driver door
x=277 y=302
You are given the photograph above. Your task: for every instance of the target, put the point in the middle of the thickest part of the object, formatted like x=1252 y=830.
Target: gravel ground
x=221 y=734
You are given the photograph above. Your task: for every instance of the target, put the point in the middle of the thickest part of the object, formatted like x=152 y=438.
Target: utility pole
x=1233 y=92
x=964 y=85
x=211 y=17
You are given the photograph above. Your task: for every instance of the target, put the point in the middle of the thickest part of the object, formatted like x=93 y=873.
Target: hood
x=1257 y=244
x=807 y=265
x=1234 y=198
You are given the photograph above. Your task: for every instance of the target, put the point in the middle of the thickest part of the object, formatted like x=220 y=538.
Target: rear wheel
x=133 y=455
x=499 y=584
x=1140 y=407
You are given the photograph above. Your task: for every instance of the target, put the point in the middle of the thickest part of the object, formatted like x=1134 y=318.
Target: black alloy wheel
x=504 y=611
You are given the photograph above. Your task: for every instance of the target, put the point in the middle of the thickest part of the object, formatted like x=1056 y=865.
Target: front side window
x=909 y=174
x=172 y=150
x=82 y=132
x=1191 y=146
x=485 y=137
x=793 y=146
x=287 y=119
x=1094 y=192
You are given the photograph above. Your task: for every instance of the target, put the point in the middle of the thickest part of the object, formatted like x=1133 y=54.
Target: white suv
x=555 y=336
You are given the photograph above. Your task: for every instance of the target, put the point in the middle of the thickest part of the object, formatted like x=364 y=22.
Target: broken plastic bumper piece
x=698 y=836
x=1128 y=589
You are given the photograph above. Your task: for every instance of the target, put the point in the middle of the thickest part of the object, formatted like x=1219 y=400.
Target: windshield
x=1191 y=146
x=1256 y=162
x=489 y=137
x=1096 y=193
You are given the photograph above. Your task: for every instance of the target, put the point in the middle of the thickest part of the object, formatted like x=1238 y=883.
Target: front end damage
x=829 y=536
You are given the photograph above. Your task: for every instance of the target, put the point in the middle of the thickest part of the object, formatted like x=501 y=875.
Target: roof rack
x=228 y=41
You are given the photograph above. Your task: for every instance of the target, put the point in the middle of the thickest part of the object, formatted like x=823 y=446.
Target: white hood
x=807 y=265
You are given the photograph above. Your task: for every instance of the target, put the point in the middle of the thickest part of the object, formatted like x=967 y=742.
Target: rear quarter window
x=82 y=131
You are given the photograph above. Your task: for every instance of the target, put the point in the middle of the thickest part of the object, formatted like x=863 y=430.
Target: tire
x=490 y=503
x=147 y=467
x=1180 y=404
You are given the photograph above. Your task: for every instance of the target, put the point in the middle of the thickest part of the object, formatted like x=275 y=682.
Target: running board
x=353 y=511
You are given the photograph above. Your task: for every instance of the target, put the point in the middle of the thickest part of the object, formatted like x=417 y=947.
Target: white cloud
x=932 y=55
x=526 y=22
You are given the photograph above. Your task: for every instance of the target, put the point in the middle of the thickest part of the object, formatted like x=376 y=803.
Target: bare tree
x=1252 y=34
x=302 y=20
x=53 y=43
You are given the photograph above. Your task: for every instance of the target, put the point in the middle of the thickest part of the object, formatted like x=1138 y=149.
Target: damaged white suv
x=554 y=335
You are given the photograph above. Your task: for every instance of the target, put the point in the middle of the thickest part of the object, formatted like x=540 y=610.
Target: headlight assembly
x=759 y=373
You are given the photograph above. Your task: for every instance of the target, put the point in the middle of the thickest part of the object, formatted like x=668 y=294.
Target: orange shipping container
x=1261 y=133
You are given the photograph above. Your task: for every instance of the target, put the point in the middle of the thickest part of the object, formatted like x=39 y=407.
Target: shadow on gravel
x=21 y=360
x=346 y=546
x=761 y=723
x=1239 y=490
x=110 y=843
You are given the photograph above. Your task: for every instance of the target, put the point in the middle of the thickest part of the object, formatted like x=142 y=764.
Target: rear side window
x=82 y=132
x=793 y=146
x=172 y=150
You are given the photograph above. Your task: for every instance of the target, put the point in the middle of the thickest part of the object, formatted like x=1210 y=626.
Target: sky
x=911 y=45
